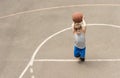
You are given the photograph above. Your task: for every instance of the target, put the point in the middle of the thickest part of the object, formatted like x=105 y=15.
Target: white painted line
x=106 y=25
x=32 y=76
x=56 y=60
x=38 y=48
x=74 y=60
x=31 y=70
x=57 y=7
x=26 y=68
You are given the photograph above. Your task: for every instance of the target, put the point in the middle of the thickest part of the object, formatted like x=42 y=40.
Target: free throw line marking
x=74 y=60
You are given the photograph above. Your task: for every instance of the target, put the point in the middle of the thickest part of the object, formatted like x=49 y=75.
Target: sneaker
x=82 y=59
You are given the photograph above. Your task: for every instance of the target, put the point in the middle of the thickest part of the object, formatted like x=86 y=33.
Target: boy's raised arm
x=73 y=28
x=84 y=25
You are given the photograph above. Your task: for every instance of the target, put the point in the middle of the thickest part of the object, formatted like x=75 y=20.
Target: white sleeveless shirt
x=80 y=38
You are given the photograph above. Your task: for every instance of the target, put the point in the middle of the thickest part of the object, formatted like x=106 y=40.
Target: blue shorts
x=79 y=52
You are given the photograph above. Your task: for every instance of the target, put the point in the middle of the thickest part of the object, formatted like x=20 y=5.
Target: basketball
x=77 y=17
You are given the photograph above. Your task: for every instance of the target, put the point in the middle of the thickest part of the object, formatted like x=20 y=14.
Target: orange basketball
x=77 y=17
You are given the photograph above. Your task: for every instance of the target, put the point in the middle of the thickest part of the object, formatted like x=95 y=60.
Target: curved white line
x=45 y=42
x=57 y=7
x=38 y=48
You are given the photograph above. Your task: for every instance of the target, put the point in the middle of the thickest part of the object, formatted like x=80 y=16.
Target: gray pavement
x=76 y=70
x=21 y=34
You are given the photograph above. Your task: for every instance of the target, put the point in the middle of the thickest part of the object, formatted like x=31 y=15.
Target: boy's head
x=77 y=17
x=77 y=26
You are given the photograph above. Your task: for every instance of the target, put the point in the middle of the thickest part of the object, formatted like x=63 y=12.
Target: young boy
x=79 y=30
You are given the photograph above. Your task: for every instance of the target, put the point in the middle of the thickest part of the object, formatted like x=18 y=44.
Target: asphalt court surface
x=22 y=33
x=75 y=70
